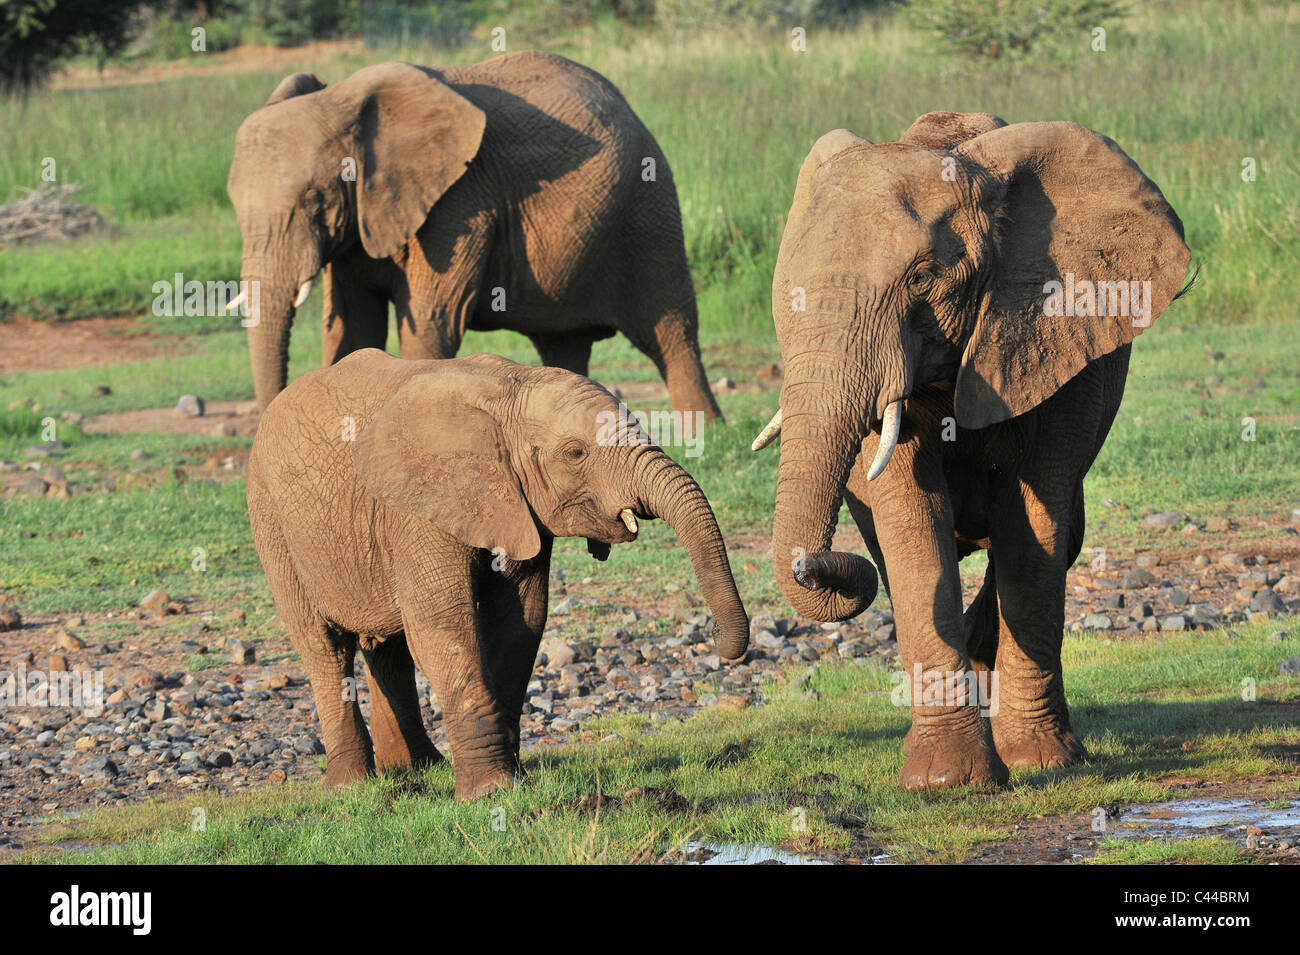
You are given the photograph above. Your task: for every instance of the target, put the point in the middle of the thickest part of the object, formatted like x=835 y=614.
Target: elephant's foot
x=394 y=759
x=1023 y=747
x=939 y=759
x=344 y=770
x=471 y=784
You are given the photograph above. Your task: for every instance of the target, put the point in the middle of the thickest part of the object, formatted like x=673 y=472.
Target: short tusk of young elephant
x=768 y=434
x=304 y=290
x=237 y=301
x=629 y=519
x=888 y=438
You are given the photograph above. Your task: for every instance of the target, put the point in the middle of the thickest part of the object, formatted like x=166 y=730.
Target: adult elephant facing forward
x=939 y=382
x=520 y=193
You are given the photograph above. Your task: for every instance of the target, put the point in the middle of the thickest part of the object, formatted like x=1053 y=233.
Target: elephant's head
x=317 y=168
x=496 y=454
x=929 y=260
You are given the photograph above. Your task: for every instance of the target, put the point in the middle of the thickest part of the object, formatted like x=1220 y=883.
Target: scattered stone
x=558 y=653
x=101 y=391
x=239 y=652
x=724 y=384
x=1266 y=601
x=1289 y=667
x=1137 y=578
x=565 y=606
x=1096 y=621
x=1177 y=596
x=190 y=406
x=1175 y=621
x=58 y=663
x=1218 y=524
x=1162 y=520
x=10 y=619
x=68 y=641
x=155 y=600
x=223 y=429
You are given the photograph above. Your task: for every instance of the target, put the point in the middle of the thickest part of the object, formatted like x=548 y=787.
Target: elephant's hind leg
x=327 y=653
x=397 y=727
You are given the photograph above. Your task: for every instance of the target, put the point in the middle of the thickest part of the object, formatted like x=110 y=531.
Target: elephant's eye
x=575 y=452
x=922 y=276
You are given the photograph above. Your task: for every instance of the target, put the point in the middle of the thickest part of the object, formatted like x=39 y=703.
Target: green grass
x=1144 y=707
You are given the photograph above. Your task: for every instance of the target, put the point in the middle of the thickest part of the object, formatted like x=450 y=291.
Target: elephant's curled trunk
x=821 y=435
x=667 y=491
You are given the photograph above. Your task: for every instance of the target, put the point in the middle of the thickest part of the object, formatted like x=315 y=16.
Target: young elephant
x=410 y=506
x=955 y=311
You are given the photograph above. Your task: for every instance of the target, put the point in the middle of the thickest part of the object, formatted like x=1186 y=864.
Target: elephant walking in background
x=520 y=193
x=409 y=507
x=955 y=311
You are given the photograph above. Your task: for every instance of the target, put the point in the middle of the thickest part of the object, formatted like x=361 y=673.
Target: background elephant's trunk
x=269 y=328
x=821 y=434
x=664 y=489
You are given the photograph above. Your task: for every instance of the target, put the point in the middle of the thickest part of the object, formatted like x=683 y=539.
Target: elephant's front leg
x=950 y=742
x=512 y=607
x=355 y=311
x=438 y=595
x=1031 y=538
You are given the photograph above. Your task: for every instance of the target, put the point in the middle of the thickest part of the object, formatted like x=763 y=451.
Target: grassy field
x=1188 y=89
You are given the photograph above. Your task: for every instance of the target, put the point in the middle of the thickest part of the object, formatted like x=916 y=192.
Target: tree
x=35 y=35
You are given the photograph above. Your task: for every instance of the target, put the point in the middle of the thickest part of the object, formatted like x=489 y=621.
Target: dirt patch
x=241 y=59
x=79 y=343
x=220 y=418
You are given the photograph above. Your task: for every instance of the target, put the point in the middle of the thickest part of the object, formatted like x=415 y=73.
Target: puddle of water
x=1180 y=816
x=730 y=854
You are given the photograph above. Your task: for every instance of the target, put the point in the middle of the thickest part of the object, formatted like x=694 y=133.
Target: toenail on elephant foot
x=1046 y=750
x=944 y=763
x=474 y=785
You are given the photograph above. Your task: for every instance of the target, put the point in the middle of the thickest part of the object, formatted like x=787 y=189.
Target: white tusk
x=768 y=434
x=304 y=290
x=629 y=519
x=888 y=438
x=237 y=301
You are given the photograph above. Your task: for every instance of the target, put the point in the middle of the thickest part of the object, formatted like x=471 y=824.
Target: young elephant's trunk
x=666 y=490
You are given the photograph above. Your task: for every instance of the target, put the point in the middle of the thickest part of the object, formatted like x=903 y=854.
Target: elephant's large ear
x=415 y=136
x=296 y=84
x=1066 y=206
x=431 y=452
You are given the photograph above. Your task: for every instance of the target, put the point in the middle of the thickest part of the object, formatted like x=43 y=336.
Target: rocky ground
x=189 y=708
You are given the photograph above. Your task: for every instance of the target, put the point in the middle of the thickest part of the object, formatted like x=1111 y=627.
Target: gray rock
x=33 y=486
x=558 y=653
x=1289 y=667
x=1096 y=621
x=768 y=640
x=1162 y=520
x=1266 y=601
x=1175 y=621
x=565 y=606
x=1178 y=596
x=1138 y=577
x=191 y=406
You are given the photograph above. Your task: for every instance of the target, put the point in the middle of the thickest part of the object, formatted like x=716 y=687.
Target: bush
x=1011 y=28
x=35 y=35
